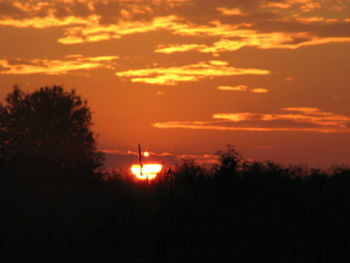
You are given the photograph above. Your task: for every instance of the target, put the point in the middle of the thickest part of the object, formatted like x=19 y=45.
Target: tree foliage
x=230 y=161
x=47 y=131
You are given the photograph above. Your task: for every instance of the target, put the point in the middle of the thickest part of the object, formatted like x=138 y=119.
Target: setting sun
x=147 y=172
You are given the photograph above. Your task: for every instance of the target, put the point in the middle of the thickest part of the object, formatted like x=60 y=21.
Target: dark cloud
x=7 y=9
x=110 y=12
x=96 y=16
x=341 y=29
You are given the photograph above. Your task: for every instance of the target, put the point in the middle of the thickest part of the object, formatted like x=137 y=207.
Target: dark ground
x=256 y=213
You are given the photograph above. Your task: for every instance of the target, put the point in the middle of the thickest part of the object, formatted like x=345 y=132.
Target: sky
x=187 y=77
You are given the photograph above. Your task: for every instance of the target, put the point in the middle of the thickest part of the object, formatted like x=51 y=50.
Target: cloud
x=233 y=88
x=280 y=5
x=259 y=90
x=187 y=73
x=242 y=88
x=310 y=6
x=94 y=31
x=251 y=38
x=46 y=22
x=292 y=120
x=303 y=115
x=124 y=159
x=175 y=48
x=194 y=126
x=235 y=23
x=89 y=21
x=54 y=66
x=230 y=11
x=110 y=11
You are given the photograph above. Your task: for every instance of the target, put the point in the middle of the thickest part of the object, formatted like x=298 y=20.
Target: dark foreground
x=260 y=213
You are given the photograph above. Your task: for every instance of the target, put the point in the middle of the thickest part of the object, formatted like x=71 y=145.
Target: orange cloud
x=47 y=21
x=310 y=6
x=93 y=21
x=280 y=5
x=305 y=120
x=310 y=20
x=215 y=29
x=233 y=88
x=259 y=90
x=94 y=31
x=305 y=115
x=242 y=88
x=251 y=38
x=187 y=73
x=173 y=48
x=230 y=11
x=174 y=125
x=54 y=66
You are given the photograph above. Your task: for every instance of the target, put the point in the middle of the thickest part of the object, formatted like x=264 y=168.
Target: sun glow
x=147 y=172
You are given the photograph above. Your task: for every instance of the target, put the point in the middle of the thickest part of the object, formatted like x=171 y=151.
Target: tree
x=47 y=132
x=227 y=172
x=230 y=161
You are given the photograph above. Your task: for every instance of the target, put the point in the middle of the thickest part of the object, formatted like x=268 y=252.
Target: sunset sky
x=187 y=77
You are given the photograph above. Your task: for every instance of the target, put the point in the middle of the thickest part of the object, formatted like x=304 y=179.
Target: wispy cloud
x=55 y=66
x=233 y=88
x=230 y=11
x=116 y=158
x=47 y=21
x=234 y=22
x=280 y=5
x=293 y=120
x=252 y=38
x=178 y=48
x=243 y=88
x=94 y=31
x=259 y=90
x=188 y=73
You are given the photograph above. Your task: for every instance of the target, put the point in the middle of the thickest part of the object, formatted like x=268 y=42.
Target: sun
x=147 y=172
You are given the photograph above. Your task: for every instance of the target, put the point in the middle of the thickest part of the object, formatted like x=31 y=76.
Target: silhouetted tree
x=230 y=162
x=47 y=133
x=227 y=172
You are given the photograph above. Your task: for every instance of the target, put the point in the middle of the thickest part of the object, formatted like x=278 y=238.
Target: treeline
x=235 y=212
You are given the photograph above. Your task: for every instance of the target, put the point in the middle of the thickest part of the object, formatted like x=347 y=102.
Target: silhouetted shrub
x=189 y=172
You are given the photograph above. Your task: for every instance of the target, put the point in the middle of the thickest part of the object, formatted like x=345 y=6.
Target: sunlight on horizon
x=147 y=172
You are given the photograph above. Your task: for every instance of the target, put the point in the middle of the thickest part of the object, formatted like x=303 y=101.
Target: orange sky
x=187 y=77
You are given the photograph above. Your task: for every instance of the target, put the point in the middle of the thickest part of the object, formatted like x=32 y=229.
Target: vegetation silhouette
x=235 y=211
x=46 y=136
